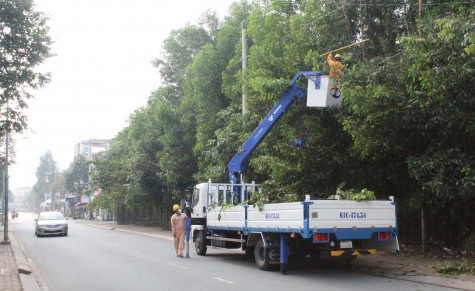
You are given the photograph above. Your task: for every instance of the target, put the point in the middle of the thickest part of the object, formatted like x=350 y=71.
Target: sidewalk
x=17 y=270
x=9 y=275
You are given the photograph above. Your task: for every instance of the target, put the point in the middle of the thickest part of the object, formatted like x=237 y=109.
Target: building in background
x=89 y=147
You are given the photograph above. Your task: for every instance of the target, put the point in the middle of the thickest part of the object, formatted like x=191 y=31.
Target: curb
x=21 y=261
x=131 y=231
x=29 y=275
x=429 y=280
x=435 y=281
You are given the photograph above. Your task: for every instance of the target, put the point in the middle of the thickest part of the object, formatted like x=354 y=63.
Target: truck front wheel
x=200 y=243
x=260 y=254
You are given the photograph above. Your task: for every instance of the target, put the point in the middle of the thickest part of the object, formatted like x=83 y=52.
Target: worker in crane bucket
x=336 y=66
x=178 y=222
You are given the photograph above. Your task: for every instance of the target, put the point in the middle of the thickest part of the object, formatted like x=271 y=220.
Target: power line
x=407 y=3
x=397 y=3
x=388 y=58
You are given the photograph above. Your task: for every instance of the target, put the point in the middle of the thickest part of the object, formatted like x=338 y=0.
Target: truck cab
x=209 y=195
x=211 y=198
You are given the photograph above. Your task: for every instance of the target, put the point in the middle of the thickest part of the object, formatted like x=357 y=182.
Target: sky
x=101 y=73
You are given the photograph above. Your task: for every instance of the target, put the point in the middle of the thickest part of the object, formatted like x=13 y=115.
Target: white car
x=51 y=223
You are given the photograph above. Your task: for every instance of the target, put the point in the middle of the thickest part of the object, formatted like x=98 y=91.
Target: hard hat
x=175 y=207
x=337 y=56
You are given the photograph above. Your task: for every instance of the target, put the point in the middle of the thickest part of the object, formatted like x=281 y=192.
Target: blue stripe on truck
x=340 y=234
x=306 y=219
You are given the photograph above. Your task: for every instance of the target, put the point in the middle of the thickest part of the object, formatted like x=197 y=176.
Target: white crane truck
x=331 y=229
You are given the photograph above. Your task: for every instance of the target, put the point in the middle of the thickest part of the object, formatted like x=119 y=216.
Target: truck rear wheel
x=260 y=254
x=200 y=243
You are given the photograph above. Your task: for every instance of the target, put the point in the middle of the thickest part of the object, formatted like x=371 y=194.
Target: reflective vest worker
x=336 y=67
x=178 y=222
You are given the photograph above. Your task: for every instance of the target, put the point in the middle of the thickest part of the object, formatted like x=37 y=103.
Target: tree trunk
x=423 y=229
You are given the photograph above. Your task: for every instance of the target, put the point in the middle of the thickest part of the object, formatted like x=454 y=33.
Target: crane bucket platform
x=323 y=91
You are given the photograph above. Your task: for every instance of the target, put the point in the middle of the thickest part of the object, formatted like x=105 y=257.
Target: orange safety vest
x=336 y=67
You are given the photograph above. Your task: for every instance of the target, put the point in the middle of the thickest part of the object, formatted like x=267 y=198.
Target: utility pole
x=5 y=241
x=244 y=66
x=89 y=212
x=420 y=18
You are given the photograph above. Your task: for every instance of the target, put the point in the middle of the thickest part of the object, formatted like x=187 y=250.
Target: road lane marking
x=3 y=271
x=115 y=245
x=224 y=280
x=176 y=265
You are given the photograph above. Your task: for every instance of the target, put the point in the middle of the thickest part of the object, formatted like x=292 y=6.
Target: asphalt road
x=91 y=258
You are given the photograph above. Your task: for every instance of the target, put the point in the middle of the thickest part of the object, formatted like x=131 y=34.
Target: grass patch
x=453 y=268
x=469 y=244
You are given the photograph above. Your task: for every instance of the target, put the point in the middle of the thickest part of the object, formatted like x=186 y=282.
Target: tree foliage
x=76 y=176
x=24 y=44
x=46 y=174
x=406 y=128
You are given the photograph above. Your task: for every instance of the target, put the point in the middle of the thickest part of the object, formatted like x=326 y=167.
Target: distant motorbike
x=14 y=215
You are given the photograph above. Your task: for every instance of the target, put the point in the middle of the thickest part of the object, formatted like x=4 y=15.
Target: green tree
x=76 y=176
x=45 y=177
x=175 y=159
x=411 y=114
x=24 y=44
x=111 y=174
x=179 y=49
x=146 y=187
x=59 y=186
x=209 y=100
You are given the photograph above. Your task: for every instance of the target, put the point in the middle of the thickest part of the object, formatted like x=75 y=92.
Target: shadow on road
x=304 y=266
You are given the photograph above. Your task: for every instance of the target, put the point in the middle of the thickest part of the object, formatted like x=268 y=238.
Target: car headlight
x=64 y=225
x=41 y=226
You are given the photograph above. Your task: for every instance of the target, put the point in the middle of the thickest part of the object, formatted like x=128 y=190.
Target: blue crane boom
x=237 y=165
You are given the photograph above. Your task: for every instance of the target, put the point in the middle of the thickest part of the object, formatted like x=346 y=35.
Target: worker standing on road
x=336 y=66
x=178 y=222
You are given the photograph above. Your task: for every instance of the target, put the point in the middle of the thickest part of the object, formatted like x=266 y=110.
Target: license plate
x=346 y=244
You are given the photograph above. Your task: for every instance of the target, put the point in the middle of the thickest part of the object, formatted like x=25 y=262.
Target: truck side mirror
x=188 y=211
